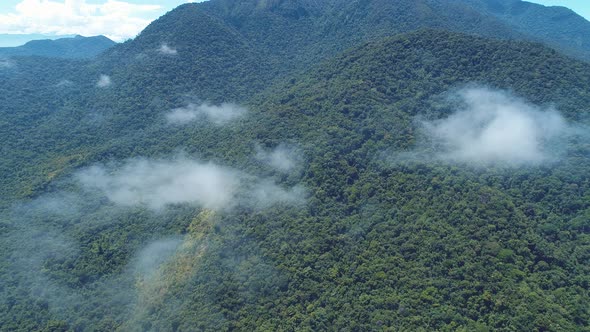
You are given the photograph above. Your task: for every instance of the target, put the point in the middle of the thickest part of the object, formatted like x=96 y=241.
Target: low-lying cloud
x=167 y=50
x=44 y=241
x=283 y=158
x=37 y=238
x=494 y=127
x=154 y=255
x=217 y=114
x=266 y=193
x=104 y=81
x=160 y=183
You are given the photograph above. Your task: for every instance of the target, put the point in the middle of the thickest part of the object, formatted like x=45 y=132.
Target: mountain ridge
x=77 y=47
x=297 y=41
x=557 y=26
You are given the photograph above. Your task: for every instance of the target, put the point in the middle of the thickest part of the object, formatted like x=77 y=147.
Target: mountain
x=232 y=40
x=77 y=47
x=383 y=243
x=313 y=30
x=298 y=165
x=14 y=40
x=557 y=26
x=302 y=32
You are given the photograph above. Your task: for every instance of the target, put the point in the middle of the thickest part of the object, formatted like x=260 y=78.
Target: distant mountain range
x=556 y=26
x=14 y=40
x=77 y=47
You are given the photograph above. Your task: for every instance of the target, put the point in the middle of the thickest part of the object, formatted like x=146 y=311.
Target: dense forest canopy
x=300 y=165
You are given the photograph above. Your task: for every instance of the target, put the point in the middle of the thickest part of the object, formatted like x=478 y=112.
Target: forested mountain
x=299 y=165
x=270 y=39
x=557 y=26
x=77 y=47
x=294 y=33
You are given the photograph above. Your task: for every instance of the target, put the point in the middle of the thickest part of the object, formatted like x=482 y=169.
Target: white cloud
x=118 y=20
x=165 y=49
x=154 y=255
x=495 y=127
x=219 y=115
x=266 y=193
x=104 y=81
x=283 y=158
x=159 y=183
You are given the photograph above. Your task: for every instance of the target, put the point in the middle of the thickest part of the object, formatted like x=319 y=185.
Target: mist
x=494 y=127
x=64 y=83
x=267 y=193
x=157 y=184
x=104 y=81
x=152 y=256
x=38 y=242
x=283 y=158
x=167 y=50
x=29 y=247
x=51 y=229
x=6 y=63
x=219 y=115
x=61 y=204
x=62 y=248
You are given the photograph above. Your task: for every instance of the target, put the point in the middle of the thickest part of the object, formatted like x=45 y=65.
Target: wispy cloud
x=64 y=83
x=283 y=158
x=154 y=255
x=217 y=114
x=160 y=183
x=267 y=193
x=167 y=50
x=104 y=81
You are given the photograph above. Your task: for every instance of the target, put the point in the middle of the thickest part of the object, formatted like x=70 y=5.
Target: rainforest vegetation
x=293 y=165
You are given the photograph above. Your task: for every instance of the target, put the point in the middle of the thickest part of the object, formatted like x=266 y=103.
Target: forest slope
x=557 y=26
x=216 y=51
x=375 y=223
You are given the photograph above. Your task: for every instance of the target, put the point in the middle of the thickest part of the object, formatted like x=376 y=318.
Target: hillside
x=559 y=27
x=291 y=35
x=68 y=48
x=229 y=49
x=340 y=209
x=303 y=32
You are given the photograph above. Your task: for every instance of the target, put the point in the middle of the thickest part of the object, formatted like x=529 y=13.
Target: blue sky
x=8 y=6
x=118 y=19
